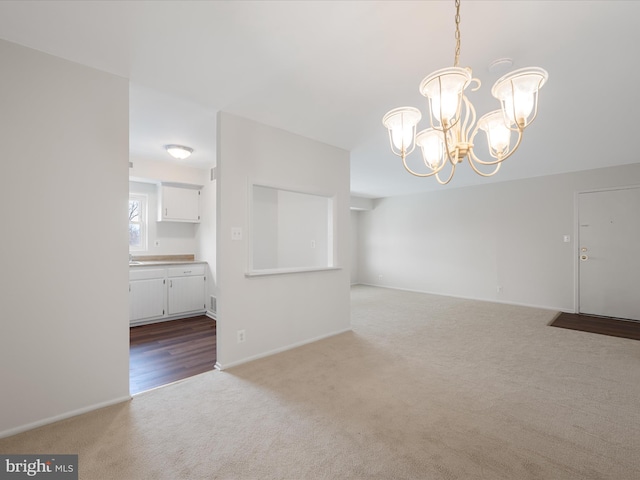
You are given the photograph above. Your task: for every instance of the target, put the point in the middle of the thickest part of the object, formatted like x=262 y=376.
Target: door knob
x=584 y=257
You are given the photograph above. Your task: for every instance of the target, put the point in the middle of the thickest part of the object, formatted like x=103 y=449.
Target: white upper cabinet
x=178 y=203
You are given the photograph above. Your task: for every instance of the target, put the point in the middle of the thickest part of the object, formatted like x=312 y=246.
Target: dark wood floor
x=165 y=352
x=603 y=325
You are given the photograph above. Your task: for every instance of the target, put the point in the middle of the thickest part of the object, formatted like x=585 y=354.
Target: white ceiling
x=329 y=70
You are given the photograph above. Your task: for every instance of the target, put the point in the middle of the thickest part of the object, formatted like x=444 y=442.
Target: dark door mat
x=613 y=327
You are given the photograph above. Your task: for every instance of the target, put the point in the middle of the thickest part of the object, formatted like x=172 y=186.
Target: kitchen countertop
x=164 y=262
x=159 y=260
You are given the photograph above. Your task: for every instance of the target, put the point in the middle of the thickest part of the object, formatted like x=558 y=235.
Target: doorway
x=609 y=243
x=165 y=352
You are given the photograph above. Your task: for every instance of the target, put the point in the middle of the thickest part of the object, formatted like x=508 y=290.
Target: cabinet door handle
x=170 y=283
x=166 y=212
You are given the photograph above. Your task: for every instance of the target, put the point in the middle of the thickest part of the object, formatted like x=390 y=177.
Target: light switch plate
x=236 y=233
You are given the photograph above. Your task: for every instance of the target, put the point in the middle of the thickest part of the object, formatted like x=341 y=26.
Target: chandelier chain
x=457 y=59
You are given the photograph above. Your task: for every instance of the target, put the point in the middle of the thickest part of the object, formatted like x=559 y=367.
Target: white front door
x=609 y=253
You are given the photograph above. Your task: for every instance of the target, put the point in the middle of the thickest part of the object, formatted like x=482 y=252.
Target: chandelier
x=452 y=117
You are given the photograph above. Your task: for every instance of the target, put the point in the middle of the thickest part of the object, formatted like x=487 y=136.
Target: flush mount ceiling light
x=178 y=151
x=452 y=118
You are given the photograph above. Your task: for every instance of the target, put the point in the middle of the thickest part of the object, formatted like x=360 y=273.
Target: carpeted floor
x=425 y=387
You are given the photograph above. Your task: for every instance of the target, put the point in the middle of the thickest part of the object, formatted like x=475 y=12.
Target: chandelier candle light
x=452 y=118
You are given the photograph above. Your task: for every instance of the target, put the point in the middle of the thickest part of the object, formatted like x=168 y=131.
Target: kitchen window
x=137 y=222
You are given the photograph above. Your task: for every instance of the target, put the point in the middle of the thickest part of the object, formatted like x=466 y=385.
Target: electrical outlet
x=241 y=336
x=499 y=289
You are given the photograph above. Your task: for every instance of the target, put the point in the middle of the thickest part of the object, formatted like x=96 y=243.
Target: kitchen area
x=172 y=300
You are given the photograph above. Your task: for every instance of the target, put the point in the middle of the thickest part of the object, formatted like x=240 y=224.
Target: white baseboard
x=211 y=315
x=491 y=300
x=168 y=318
x=219 y=366
x=64 y=416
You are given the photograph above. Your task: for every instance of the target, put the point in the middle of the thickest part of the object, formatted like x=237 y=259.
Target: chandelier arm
x=446 y=148
x=482 y=174
x=466 y=127
x=453 y=169
x=474 y=158
x=445 y=129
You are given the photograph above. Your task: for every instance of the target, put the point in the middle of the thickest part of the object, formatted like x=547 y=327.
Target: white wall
x=303 y=227
x=64 y=346
x=355 y=246
x=290 y=229
x=206 y=237
x=276 y=311
x=264 y=220
x=468 y=241
x=144 y=169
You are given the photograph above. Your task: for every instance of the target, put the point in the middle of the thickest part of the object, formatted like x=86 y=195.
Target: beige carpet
x=425 y=387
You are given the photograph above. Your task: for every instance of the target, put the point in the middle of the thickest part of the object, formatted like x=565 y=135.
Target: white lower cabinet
x=146 y=299
x=147 y=294
x=185 y=289
x=157 y=294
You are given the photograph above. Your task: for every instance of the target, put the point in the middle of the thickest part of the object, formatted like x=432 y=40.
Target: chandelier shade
x=518 y=94
x=450 y=138
x=431 y=143
x=498 y=134
x=401 y=123
x=444 y=89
